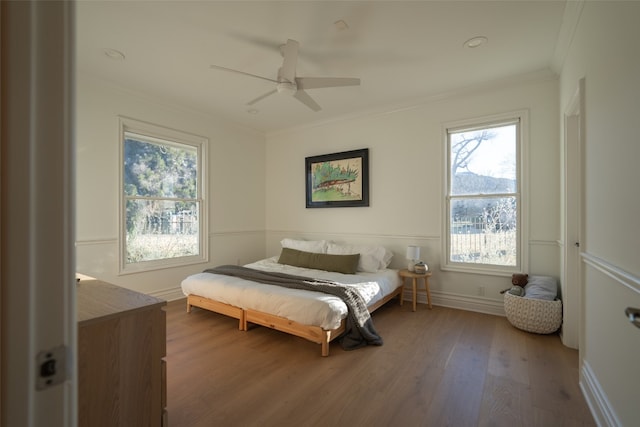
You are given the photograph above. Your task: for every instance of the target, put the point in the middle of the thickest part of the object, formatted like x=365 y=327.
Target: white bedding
x=306 y=307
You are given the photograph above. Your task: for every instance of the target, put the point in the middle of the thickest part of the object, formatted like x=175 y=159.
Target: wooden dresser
x=121 y=346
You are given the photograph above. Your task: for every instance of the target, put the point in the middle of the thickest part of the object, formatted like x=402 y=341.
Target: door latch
x=51 y=367
x=633 y=314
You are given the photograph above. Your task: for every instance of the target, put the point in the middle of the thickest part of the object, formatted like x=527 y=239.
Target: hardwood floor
x=440 y=367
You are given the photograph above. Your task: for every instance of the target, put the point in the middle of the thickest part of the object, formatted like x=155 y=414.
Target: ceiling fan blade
x=261 y=97
x=320 y=82
x=290 y=54
x=304 y=97
x=218 y=67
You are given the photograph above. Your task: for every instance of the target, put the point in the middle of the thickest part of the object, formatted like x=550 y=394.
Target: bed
x=315 y=316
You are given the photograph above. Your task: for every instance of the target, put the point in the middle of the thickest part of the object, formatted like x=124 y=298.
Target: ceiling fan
x=288 y=83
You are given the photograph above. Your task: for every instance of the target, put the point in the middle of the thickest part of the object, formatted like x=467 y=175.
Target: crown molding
x=570 y=20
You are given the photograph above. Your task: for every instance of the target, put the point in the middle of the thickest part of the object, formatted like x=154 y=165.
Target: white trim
x=457 y=301
x=521 y=117
x=570 y=20
x=169 y=294
x=38 y=214
x=150 y=132
x=534 y=77
x=114 y=240
x=601 y=409
x=159 y=132
x=555 y=243
x=572 y=220
x=236 y=233
x=96 y=242
x=171 y=105
x=345 y=236
x=624 y=278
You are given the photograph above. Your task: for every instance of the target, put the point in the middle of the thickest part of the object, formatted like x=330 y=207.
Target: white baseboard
x=461 y=302
x=170 y=294
x=596 y=398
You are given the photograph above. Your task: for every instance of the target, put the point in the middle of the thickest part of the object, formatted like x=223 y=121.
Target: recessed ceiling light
x=474 y=42
x=116 y=55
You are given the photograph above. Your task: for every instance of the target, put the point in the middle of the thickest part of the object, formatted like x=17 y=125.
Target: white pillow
x=541 y=287
x=315 y=246
x=372 y=258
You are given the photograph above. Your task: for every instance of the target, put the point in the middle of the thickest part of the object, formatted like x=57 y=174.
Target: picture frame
x=338 y=179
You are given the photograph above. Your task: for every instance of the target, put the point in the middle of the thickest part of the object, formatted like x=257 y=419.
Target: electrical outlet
x=481 y=291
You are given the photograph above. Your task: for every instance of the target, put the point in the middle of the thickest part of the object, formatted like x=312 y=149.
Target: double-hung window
x=162 y=209
x=484 y=221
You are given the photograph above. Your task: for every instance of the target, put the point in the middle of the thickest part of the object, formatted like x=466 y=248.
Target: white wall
x=236 y=185
x=604 y=52
x=406 y=146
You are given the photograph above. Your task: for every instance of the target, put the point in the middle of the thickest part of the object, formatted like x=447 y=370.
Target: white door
x=38 y=277
x=573 y=305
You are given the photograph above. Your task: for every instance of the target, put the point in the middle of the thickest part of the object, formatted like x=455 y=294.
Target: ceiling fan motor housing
x=287 y=88
x=288 y=83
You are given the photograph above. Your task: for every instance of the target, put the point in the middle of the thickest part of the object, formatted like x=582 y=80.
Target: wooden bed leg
x=243 y=321
x=325 y=343
x=188 y=308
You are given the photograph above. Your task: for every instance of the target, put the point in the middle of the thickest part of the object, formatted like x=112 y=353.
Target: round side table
x=414 y=279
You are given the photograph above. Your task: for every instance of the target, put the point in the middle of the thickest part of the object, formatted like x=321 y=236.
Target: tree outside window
x=162 y=202
x=483 y=221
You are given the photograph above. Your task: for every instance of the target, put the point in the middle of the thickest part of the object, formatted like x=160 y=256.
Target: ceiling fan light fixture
x=287 y=88
x=475 y=42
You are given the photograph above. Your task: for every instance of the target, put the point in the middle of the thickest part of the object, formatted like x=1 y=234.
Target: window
x=483 y=200
x=163 y=219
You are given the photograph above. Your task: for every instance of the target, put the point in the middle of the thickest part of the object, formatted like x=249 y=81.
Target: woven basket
x=533 y=315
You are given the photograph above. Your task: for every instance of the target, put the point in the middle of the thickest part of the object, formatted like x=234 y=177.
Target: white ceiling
x=403 y=52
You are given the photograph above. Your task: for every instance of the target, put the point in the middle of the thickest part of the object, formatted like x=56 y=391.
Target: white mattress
x=306 y=307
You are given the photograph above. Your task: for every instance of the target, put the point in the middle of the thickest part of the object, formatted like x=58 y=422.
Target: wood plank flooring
x=440 y=367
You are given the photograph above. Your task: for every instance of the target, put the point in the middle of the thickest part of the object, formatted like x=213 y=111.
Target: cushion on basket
x=541 y=287
x=533 y=315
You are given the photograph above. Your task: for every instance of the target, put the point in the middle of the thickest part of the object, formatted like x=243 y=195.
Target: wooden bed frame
x=309 y=332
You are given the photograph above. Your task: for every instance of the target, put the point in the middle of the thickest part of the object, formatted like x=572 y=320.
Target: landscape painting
x=338 y=179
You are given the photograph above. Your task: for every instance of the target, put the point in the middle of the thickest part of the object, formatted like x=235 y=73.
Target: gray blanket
x=359 y=329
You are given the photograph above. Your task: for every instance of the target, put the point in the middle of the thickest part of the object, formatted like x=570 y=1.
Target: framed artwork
x=338 y=179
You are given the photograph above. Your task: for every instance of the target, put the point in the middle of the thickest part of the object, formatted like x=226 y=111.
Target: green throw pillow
x=346 y=264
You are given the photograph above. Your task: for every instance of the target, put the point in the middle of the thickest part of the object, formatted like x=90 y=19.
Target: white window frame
x=522 y=174
x=176 y=138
